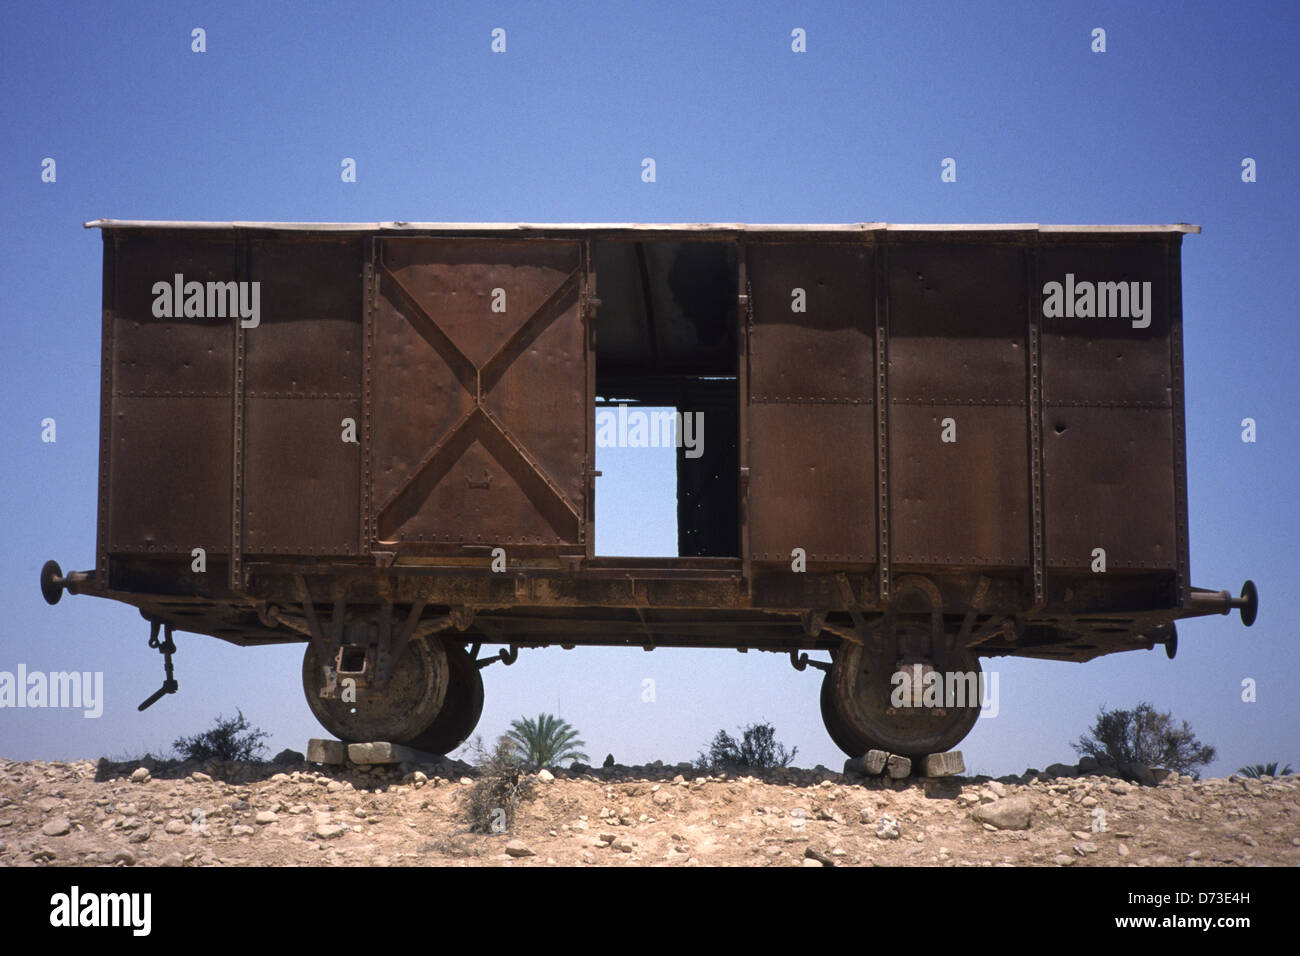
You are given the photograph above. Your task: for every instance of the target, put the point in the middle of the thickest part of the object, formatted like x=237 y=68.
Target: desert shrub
x=757 y=749
x=1144 y=736
x=503 y=781
x=229 y=739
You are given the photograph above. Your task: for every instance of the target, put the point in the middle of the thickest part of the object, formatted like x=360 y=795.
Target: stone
x=1013 y=813
x=140 y=775
x=875 y=761
x=1085 y=849
x=326 y=751
x=1121 y=849
x=1062 y=860
x=200 y=777
x=545 y=776
x=997 y=788
x=622 y=844
x=517 y=848
x=57 y=826
x=287 y=756
x=887 y=829
x=898 y=767
x=264 y=817
x=175 y=827
x=125 y=857
x=808 y=862
x=1088 y=802
x=140 y=835
x=241 y=829
x=945 y=764
x=383 y=752
x=328 y=831
x=855 y=767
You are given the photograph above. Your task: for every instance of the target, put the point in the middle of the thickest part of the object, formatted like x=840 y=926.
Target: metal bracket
x=168 y=647
x=802 y=661
x=506 y=657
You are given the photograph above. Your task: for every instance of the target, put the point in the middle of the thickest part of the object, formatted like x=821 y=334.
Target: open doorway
x=667 y=399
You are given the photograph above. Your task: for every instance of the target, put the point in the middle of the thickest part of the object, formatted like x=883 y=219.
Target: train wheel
x=414 y=699
x=853 y=744
x=462 y=708
x=862 y=694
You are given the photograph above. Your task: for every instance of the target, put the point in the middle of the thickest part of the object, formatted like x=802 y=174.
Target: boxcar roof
x=623 y=227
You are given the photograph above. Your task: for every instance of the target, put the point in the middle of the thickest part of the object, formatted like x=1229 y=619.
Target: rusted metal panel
x=302 y=380
x=480 y=424
x=1109 y=485
x=957 y=322
x=964 y=502
x=161 y=357
x=169 y=475
x=811 y=473
x=302 y=482
x=958 y=422
x=170 y=428
x=1093 y=359
x=1108 y=415
x=810 y=402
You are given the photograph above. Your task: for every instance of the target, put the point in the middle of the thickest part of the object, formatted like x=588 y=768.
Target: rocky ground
x=149 y=813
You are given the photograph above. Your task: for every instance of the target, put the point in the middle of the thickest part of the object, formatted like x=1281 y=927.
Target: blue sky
x=1153 y=130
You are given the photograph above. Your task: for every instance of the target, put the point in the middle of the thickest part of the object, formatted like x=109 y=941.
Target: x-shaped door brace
x=478 y=382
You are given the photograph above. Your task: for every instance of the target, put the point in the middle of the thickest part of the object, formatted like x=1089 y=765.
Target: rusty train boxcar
x=924 y=445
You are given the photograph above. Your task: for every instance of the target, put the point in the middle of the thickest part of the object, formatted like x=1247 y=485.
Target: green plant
x=546 y=741
x=1265 y=770
x=756 y=749
x=1144 y=736
x=492 y=801
x=229 y=739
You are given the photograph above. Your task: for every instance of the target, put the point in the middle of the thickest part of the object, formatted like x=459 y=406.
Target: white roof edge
x=399 y=226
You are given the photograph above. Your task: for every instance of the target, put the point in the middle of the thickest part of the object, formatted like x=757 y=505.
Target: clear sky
x=1153 y=130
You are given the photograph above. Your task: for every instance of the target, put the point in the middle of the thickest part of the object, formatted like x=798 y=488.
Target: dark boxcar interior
x=666 y=336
